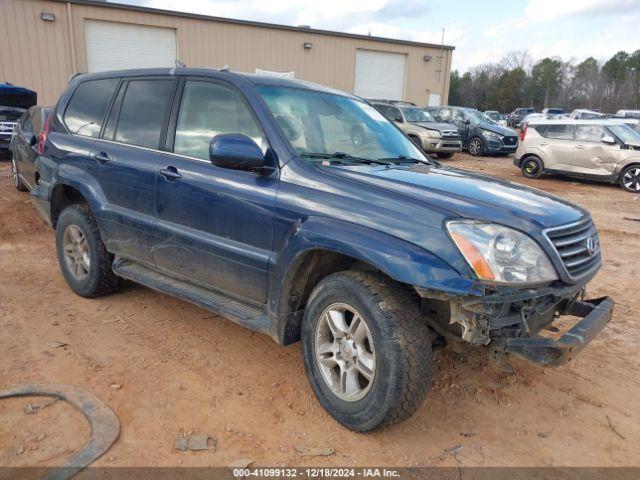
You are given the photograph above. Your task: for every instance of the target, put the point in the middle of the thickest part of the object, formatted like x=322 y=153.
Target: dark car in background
x=479 y=134
x=14 y=100
x=515 y=117
x=25 y=147
x=9 y=117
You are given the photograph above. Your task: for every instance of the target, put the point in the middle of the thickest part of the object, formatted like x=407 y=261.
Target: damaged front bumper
x=595 y=315
x=511 y=319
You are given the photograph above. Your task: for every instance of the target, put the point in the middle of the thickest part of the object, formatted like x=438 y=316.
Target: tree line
x=515 y=81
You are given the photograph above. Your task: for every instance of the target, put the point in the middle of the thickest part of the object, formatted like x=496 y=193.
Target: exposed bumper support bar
x=596 y=314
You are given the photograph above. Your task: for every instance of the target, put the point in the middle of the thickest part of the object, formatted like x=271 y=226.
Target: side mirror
x=609 y=140
x=33 y=139
x=398 y=118
x=235 y=151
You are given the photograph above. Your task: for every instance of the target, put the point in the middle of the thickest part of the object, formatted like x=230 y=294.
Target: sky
x=481 y=31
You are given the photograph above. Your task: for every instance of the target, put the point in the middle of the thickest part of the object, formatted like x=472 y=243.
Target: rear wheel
x=15 y=177
x=366 y=350
x=83 y=258
x=630 y=178
x=476 y=147
x=532 y=167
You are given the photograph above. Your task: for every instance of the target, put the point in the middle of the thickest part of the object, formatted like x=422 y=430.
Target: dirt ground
x=168 y=368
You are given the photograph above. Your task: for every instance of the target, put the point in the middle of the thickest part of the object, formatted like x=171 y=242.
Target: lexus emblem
x=592 y=245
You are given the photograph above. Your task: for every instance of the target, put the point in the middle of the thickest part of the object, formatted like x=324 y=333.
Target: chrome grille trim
x=570 y=242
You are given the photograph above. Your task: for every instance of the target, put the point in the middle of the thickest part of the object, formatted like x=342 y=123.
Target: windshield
x=625 y=133
x=417 y=115
x=477 y=117
x=320 y=124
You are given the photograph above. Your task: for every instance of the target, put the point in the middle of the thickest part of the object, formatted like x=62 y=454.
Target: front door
x=591 y=155
x=214 y=225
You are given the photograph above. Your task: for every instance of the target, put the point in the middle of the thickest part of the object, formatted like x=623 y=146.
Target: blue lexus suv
x=249 y=196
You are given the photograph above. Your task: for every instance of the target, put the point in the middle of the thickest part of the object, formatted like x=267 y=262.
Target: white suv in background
x=606 y=150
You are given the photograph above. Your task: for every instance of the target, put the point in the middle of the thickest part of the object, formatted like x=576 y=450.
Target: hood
x=469 y=195
x=499 y=129
x=439 y=126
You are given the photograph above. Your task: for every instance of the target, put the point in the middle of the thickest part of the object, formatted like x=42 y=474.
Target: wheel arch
x=311 y=255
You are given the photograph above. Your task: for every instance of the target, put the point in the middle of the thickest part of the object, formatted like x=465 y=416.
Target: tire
x=532 y=167
x=397 y=338
x=77 y=233
x=630 y=178
x=445 y=155
x=476 y=147
x=17 y=183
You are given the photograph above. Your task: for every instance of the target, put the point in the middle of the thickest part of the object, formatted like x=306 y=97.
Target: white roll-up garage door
x=117 y=46
x=380 y=74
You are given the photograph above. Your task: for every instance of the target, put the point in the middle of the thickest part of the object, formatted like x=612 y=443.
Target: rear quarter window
x=85 y=113
x=561 y=132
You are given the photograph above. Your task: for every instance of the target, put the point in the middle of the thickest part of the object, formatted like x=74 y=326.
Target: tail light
x=42 y=139
x=523 y=131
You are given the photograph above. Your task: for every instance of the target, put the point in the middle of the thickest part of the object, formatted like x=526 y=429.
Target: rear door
x=121 y=153
x=215 y=225
x=591 y=155
x=555 y=145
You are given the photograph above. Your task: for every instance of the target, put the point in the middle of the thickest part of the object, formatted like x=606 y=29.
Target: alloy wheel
x=531 y=167
x=76 y=252
x=475 y=147
x=631 y=179
x=345 y=352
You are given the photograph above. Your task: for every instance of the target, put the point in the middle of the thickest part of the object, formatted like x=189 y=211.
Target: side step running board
x=246 y=315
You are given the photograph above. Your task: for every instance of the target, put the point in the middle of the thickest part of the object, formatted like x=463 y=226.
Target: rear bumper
x=595 y=315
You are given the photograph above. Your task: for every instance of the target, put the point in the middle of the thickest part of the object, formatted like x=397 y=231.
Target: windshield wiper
x=404 y=159
x=341 y=156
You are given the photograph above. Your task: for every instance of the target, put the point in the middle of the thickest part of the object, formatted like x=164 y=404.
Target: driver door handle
x=170 y=173
x=102 y=157
x=580 y=147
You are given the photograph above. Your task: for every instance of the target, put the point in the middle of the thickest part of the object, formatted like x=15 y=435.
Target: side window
x=444 y=115
x=561 y=132
x=88 y=105
x=26 y=124
x=143 y=112
x=458 y=116
x=395 y=114
x=208 y=109
x=590 y=133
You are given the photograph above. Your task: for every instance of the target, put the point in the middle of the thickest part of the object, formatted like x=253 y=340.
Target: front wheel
x=532 y=167
x=476 y=147
x=630 y=178
x=366 y=349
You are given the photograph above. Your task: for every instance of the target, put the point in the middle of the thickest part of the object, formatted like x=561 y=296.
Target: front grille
x=578 y=246
x=7 y=128
x=450 y=134
x=510 y=140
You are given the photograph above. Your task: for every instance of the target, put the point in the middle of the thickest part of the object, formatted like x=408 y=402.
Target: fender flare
x=402 y=261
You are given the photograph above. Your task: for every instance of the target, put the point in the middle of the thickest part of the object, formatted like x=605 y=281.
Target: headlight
x=433 y=133
x=490 y=134
x=501 y=254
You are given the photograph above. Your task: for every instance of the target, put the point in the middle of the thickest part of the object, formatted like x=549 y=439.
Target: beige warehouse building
x=46 y=41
